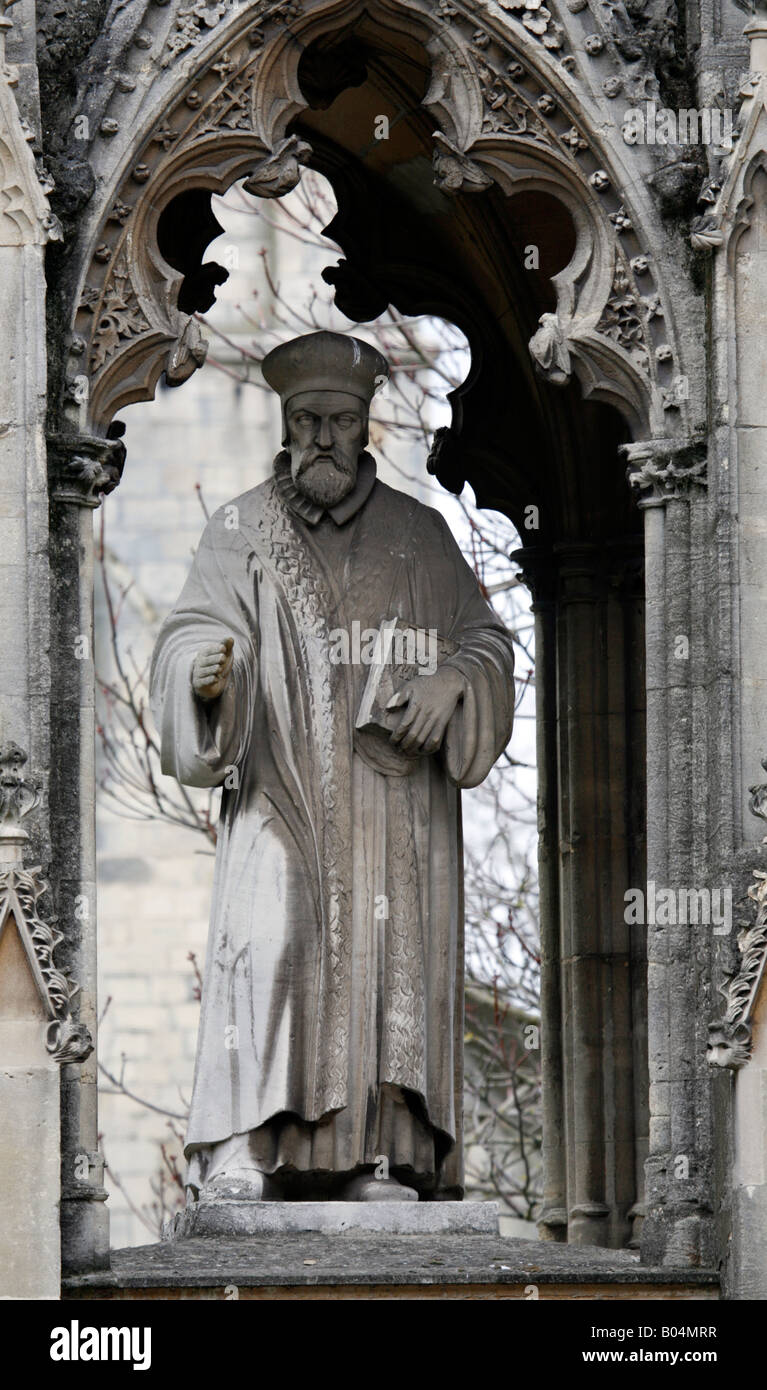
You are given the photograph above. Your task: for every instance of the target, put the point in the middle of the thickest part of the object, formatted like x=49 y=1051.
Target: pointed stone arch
x=214 y=100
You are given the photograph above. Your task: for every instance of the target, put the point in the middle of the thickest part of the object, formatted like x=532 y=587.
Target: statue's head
x=326 y=382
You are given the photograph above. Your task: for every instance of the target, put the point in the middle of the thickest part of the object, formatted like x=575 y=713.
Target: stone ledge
x=368 y=1265
x=231 y=1219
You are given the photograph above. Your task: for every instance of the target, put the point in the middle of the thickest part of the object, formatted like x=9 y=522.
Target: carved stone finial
x=68 y=1040
x=454 y=171
x=279 y=172
x=356 y=294
x=548 y=348
x=705 y=235
x=5 y=24
x=440 y=442
x=756 y=33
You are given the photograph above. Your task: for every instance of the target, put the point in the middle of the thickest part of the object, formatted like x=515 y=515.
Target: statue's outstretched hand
x=212 y=665
x=430 y=702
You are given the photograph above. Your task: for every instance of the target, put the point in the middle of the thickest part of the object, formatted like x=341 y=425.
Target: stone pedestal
x=227 y=1217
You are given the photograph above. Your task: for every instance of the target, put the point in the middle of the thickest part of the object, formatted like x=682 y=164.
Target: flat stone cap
x=325 y=362
x=222 y=1218
x=358 y=1260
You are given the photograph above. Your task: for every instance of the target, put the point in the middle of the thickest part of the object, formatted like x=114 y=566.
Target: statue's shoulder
x=248 y=507
x=401 y=509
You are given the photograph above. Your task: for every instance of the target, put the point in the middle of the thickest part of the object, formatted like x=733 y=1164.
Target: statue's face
x=325 y=437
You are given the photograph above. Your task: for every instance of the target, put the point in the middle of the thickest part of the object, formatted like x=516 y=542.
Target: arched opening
x=191 y=451
x=549 y=460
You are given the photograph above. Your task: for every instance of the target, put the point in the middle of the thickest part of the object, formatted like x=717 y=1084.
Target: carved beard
x=324 y=478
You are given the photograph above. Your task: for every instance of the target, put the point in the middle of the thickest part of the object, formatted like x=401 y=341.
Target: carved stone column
x=590 y=757
x=539 y=573
x=34 y=993
x=81 y=471
x=734 y=232
x=670 y=481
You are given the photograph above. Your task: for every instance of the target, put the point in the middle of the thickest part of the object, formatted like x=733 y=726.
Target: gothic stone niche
x=259 y=92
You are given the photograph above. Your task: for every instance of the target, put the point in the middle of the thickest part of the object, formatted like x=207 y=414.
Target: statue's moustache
x=315 y=455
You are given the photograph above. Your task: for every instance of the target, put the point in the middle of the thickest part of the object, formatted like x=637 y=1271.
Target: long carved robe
x=334 y=976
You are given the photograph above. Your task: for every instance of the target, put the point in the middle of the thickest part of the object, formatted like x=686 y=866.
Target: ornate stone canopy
x=491 y=151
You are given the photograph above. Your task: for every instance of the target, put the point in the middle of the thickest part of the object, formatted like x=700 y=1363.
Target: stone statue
x=329 y=1060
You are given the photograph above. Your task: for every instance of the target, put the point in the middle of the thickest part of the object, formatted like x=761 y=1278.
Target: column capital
x=83 y=469
x=616 y=562
x=538 y=568
x=661 y=470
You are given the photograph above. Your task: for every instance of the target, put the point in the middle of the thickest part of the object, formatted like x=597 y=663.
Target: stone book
x=401 y=653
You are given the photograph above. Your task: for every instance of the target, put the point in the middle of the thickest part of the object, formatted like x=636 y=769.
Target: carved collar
x=310 y=512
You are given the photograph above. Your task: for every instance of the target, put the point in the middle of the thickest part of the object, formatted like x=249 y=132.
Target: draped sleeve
x=201 y=740
x=481 y=726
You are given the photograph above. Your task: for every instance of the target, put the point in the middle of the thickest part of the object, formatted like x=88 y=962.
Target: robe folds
x=334 y=972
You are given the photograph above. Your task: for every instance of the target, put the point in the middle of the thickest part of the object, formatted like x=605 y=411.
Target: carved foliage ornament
x=25 y=214
x=454 y=171
x=83 y=469
x=537 y=19
x=116 y=313
x=663 y=470
x=730 y=1038
x=20 y=890
x=191 y=24
x=624 y=317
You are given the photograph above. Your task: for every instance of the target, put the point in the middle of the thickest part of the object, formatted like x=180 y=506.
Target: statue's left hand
x=430 y=701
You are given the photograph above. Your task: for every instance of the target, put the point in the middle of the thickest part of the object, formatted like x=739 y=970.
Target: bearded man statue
x=329 y=1060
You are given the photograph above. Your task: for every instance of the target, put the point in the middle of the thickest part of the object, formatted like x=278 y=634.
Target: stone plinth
x=370 y=1265
x=221 y=1217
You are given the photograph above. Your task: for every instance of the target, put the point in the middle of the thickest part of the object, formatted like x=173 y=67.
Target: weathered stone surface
x=29 y=1154
x=344 y=895
x=315 y=1259
x=500 y=86
x=222 y=1219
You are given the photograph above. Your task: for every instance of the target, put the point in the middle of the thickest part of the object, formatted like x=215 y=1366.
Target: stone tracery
x=498 y=121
